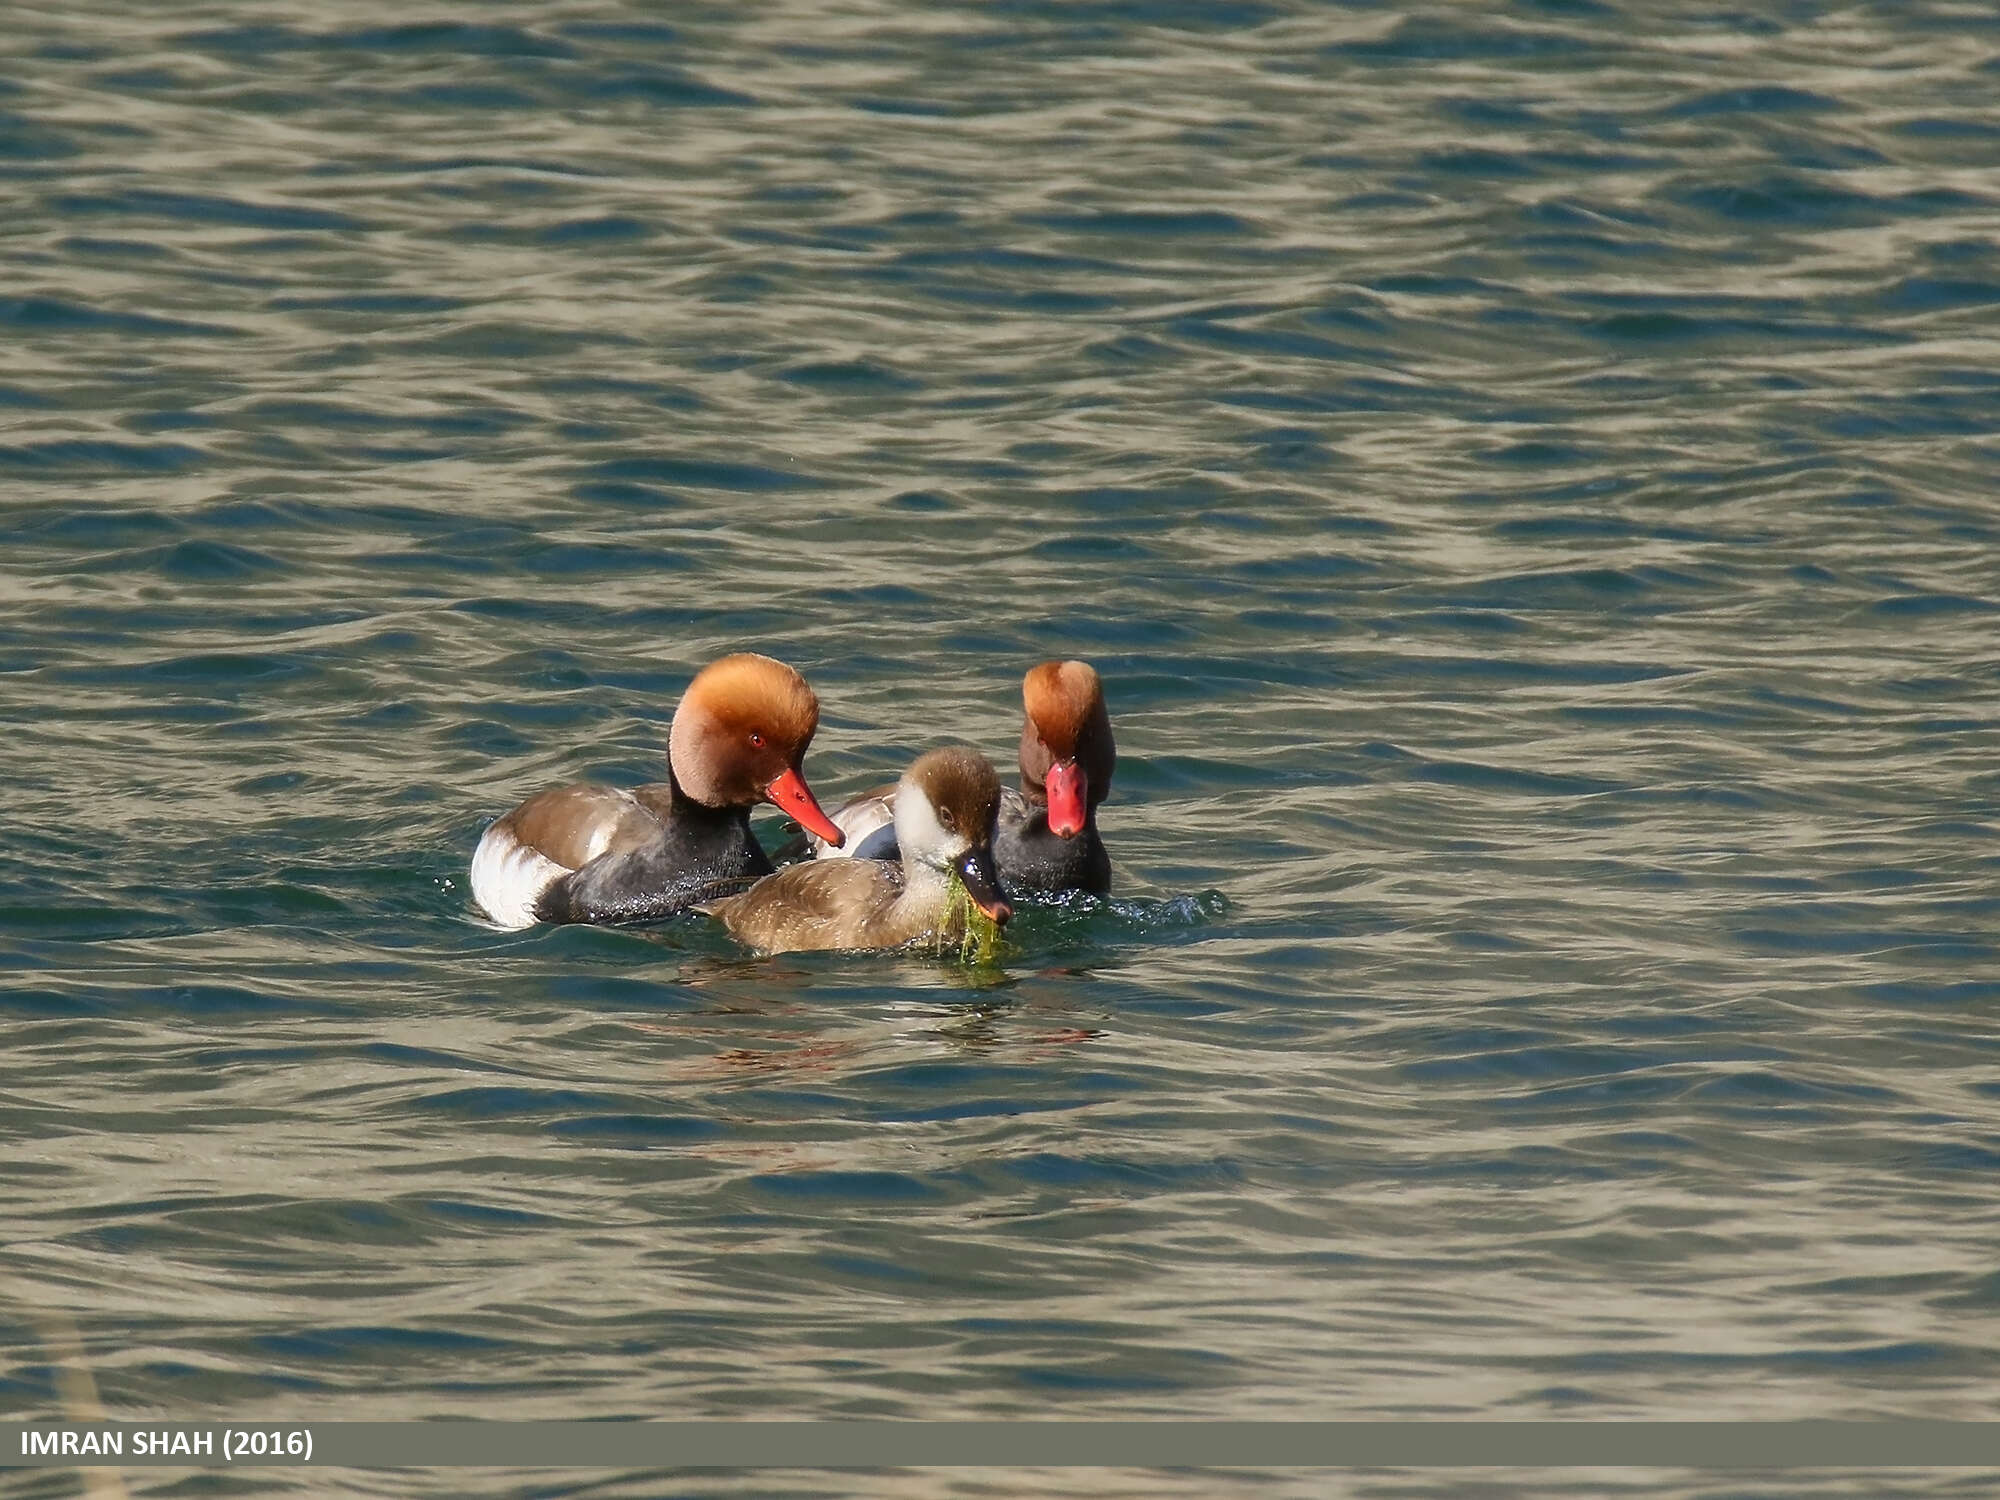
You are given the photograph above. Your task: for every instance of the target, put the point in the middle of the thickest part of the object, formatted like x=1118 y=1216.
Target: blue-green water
x=1526 y=475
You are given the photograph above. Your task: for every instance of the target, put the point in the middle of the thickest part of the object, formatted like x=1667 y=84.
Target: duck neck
x=702 y=821
x=685 y=804
x=925 y=886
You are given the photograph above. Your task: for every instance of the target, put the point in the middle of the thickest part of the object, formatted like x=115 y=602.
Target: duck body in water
x=945 y=809
x=589 y=853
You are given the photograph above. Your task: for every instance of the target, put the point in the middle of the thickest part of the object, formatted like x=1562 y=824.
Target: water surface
x=1525 y=474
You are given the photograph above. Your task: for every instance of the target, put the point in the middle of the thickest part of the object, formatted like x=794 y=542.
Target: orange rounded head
x=1067 y=753
x=740 y=735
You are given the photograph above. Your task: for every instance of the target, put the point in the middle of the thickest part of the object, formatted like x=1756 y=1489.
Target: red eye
x=756 y=741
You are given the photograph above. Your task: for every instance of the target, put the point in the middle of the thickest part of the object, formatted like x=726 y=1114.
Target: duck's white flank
x=508 y=877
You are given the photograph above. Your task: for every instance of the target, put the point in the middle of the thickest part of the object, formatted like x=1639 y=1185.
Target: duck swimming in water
x=588 y=853
x=945 y=808
x=1047 y=841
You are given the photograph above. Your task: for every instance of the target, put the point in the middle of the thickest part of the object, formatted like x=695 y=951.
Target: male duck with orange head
x=587 y=853
x=1047 y=840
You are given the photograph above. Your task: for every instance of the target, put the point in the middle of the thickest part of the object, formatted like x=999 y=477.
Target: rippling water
x=1526 y=476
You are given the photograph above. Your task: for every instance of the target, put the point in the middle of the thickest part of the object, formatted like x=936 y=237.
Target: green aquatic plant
x=966 y=931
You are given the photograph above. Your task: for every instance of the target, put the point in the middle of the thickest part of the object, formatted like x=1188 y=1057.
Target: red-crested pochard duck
x=587 y=853
x=1047 y=840
x=946 y=806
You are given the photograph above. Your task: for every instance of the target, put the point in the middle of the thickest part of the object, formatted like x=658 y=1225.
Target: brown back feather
x=823 y=903
x=573 y=824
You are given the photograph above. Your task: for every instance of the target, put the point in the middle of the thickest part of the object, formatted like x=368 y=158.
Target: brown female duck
x=945 y=808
